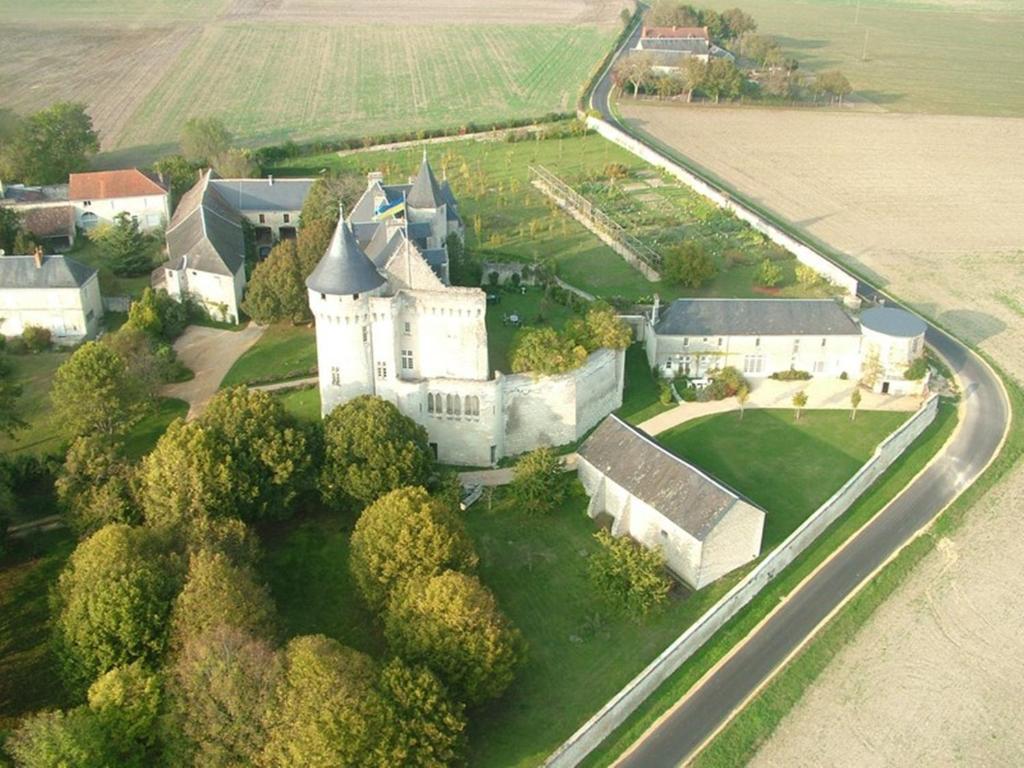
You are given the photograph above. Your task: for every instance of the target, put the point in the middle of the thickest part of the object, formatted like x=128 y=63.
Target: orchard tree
x=799 y=402
x=94 y=393
x=113 y=600
x=123 y=245
x=430 y=725
x=326 y=709
x=97 y=485
x=277 y=289
x=452 y=624
x=689 y=264
x=538 y=482
x=221 y=688
x=628 y=576
x=218 y=593
x=204 y=138
x=48 y=145
x=371 y=448
x=406 y=535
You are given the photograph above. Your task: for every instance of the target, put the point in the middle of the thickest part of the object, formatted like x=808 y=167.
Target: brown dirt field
x=930 y=204
x=934 y=206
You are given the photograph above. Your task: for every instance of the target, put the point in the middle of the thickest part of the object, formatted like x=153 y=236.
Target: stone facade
x=49 y=292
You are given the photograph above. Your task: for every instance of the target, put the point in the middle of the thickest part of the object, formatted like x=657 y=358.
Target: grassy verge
x=34 y=372
x=144 y=435
x=756 y=723
x=303 y=404
x=640 y=393
x=883 y=490
x=282 y=353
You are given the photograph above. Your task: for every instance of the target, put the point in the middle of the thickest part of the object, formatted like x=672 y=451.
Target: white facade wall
x=68 y=313
x=152 y=211
x=895 y=354
x=755 y=356
x=220 y=295
x=273 y=220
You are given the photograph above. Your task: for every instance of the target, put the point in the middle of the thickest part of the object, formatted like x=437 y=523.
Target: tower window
x=287 y=218
x=382 y=370
x=407 y=360
x=335 y=376
x=366 y=334
x=407 y=329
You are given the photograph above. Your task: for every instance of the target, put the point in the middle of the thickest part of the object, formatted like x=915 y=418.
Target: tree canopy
x=544 y=351
x=94 y=393
x=628 y=576
x=371 y=448
x=277 y=289
x=452 y=624
x=538 y=483
x=328 y=194
x=50 y=144
x=96 y=485
x=123 y=245
x=403 y=536
x=689 y=264
x=204 y=138
x=127 y=701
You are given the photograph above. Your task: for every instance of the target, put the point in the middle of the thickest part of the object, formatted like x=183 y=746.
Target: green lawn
x=787 y=467
x=533 y=308
x=282 y=353
x=89 y=253
x=34 y=372
x=303 y=404
x=28 y=670
x=907 y=55
x=640 y=394
x=507 y=219
x=145 y=434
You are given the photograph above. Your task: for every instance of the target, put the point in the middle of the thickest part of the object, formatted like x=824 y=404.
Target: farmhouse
x=703 y=528
x=672 y=47
x=52 y=225
x=206 y=252
x=271 y=205
x=388 y=323
x=101 y=195
x=52 y=292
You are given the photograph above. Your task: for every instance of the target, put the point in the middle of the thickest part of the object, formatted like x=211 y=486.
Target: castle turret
x=339 y=293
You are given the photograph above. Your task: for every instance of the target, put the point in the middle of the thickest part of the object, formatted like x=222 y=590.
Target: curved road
x=985 y=419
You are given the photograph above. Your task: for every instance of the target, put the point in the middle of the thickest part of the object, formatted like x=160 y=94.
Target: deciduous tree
x=737 y=23
x=799 y=403
x=179 y=173
x=628 y=576
x=406 y=535
x=74 y=739
x=235 y=163
x=742 y=395
x=545 y=351
x=538 y=482
x=371 y=448
x=769 y=274
x=689 y=264
x=204 y=138
x=330 y=192
x=855 y=398
x=127 y=702
x=723 y=79
x=94 y=393
x=50 y=144
x=97 y=485
x=452 y=624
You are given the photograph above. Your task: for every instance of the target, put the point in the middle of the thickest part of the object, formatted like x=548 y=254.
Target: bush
x=36 y=339
x=16 y=345
x=725 y=382
x=687 y=394
x=917 y=369
x=664 y=392
x=791 y=375
x=769 y=274
x=537 y=483
x=628 y=576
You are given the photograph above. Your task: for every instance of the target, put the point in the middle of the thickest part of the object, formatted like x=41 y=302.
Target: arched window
x=449 y=405
x=472 y=405
x=430 y=403
x=458 y=405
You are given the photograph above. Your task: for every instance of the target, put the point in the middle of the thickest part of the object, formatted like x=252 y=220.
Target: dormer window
x=323 y=297
x=355 y=296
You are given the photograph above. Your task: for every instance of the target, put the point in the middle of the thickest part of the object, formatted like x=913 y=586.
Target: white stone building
x=760 y=337
x=670 y=48
x=100 y=196
x=271 y=205
x=206 y=252
x=704 y=529
x=389 y=324
x=53 y=292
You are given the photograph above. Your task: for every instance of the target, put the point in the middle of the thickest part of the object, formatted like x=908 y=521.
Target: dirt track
x=934 y=206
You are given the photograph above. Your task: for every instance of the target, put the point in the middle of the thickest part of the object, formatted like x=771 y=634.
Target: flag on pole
x=386 y=209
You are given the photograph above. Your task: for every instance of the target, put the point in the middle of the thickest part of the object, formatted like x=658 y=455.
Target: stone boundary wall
x=625 y=702
x=803 y=253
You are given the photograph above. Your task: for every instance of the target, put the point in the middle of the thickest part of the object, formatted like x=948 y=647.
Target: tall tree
x=277 y=289
x=204 y=138
x=452 y=624
x=329 y=193
x=50 y=144
x=10 y=392
x=10 y=227
x=635 y=70
x=235 y=163
x=832 y=83
x=406 y=535
x=371 y=448
x=723 y=79
x=127 y=702
x=538 y=484
x=179 y=173
x=96 y=485
x=74 y=739
x=738 y=23
x=94 y=393
x=123 y=245
x=630 y=577
x=113 y=600
x=544 y=351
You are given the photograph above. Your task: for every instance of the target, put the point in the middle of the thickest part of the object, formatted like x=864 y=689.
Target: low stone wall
x=623 y=704
x=803 y=253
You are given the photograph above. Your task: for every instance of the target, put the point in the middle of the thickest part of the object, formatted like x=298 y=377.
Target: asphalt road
x=984 y=420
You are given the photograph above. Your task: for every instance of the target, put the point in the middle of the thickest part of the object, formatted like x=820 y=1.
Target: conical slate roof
x=425 y=192
x=344 y=269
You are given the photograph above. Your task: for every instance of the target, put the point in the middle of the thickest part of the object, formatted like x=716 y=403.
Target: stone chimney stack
x=38 y=256
x=270 y=180
x=655 y=311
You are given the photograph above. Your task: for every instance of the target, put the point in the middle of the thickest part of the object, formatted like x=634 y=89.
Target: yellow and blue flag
x=386 y=209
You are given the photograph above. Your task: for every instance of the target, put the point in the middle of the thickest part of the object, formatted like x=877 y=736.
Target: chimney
x=38 y=256
x=655 y=311
x=270 y=180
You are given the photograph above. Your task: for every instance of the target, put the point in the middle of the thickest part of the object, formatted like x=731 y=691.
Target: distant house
x=671 y=47
x=101 y=195
x=271 y=205
x=704 y=529
x=52 y=225
x=206 y=252
x=54 y=292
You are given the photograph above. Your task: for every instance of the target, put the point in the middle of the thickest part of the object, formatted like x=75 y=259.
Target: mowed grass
x=533 y=309
x=785 y=466
x=87 y=252
x=283 y=352
x=640 y=397
x=303 y=404
x=917 y=56
x=357 y=80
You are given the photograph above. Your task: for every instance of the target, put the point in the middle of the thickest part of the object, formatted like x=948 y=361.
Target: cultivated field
x=936 y=56
x=298 y=69
x=931 y=205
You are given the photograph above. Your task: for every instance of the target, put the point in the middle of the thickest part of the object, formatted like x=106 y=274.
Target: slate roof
x=425 y=192
x=688 y=47
x=268 y=194
x=688 y=497
x=49 y=221
x=108 y=185
x=205 y=232
x=56 y=272
x=675 y=33
x=345 y=269
x=893 y=322
x=755 y=317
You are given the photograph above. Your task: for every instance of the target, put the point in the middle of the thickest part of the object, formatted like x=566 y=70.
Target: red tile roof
x=108 y=185
x=676 y=33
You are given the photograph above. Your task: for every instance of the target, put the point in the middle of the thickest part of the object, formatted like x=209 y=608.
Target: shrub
x=16 y=345
x=537 y=483
x=806 y=275
x=664 y=392
x=687 y=394
x=768 y=274
x=791 y=375
x=917 y=369
x=36 y=339
x=628 y=576
x=493 y=277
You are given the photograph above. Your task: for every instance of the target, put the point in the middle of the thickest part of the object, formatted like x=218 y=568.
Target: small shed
x=704 y=528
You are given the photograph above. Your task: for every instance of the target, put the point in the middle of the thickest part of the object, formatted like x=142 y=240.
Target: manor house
x=389 y=323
